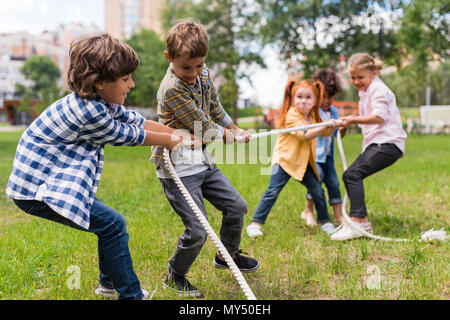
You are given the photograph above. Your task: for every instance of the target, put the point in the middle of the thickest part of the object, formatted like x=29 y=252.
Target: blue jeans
x=116 y=268
x=328 y=175
x=278 y=180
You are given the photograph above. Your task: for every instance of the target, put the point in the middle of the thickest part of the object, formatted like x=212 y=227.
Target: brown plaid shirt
x=185 y=106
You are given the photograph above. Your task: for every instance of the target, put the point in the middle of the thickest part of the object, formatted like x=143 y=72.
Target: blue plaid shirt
x=59 y=158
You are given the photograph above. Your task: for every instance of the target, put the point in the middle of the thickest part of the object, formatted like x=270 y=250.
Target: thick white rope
x=287 y=130
x=209 y=230
x=426 y=236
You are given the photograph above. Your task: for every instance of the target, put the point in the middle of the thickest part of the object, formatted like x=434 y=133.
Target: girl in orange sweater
x=294 y=153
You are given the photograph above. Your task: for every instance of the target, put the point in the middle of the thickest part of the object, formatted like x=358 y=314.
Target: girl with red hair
x=295 y=152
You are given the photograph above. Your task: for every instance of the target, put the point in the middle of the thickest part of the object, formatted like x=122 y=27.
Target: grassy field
x=412 y=196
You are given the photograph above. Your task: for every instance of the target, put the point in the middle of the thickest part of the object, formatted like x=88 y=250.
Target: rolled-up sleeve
x=102 y=128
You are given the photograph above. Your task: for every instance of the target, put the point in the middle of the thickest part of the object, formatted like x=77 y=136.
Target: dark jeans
x=278 y=180
x=212 y=185
x=375 y=158
x=329 y=177
x=116 y=268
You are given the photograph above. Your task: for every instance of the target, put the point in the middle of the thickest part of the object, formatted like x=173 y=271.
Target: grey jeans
x=212 y=185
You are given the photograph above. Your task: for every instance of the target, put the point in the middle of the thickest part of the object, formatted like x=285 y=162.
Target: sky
x=36 y=16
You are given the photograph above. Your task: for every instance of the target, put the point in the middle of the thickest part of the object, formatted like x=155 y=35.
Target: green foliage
x=152 y=67
x=316 y=33
x=44 y=74
x=422 y=38
x=42 y=70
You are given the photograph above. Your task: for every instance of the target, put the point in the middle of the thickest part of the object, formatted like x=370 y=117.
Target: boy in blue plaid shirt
x=59 y=158
x=187 y=99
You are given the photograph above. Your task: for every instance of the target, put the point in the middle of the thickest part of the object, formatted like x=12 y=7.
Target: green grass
x=403 y=200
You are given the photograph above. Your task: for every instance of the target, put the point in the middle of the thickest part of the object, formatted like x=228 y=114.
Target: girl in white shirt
x=384 y=137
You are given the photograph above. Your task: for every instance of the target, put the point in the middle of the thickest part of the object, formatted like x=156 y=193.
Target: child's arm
x=235 y=131
x=292 y=120
x=99 y=127
x=324 y=131
x=159 y=134
x=369 y=119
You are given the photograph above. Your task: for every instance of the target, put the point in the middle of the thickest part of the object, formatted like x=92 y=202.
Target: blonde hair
x=289 y=93
x=188 y=37
x=97 y=59
x=364 y=61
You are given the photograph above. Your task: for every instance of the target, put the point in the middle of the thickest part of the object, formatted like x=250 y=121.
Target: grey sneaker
x=108 y=293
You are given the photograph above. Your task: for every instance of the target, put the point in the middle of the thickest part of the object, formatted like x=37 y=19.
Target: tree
x=314 y=33
x=44 y=74
x=422 y=39
x=152 y=67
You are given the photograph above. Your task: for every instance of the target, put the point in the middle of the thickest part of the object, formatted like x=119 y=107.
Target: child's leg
x=314 y=187
x=278 y=180
x=116 y=267
x=218 y=190
x=375 y=158
x=331 y=181
x=115 y=263
x=191 y=241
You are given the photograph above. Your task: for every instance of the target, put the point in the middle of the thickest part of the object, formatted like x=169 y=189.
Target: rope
x=209 y=230
x=287 y=130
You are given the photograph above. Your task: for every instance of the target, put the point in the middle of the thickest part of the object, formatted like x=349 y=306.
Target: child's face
x=361 y=79
x=326 y=102
x=304 y=100
x=115 y=92
x=186 y=68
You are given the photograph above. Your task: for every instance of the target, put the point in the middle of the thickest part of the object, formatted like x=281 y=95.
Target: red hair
x=291 y=88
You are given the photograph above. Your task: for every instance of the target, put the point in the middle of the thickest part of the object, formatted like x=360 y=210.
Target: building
x=17 y=47
x=125 y=17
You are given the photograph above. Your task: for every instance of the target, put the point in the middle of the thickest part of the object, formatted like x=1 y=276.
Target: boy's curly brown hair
x=97 y=59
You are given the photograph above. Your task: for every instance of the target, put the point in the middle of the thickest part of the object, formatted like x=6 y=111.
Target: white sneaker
x=328 y=228
x=145 y=293
x=347 y=232
x=254 y=231
x=309 y=218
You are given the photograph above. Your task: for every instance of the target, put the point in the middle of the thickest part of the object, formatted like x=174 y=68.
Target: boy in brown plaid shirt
x=188 y=100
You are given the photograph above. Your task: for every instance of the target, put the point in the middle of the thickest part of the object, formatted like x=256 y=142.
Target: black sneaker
x=245 y=264
x=181 y=285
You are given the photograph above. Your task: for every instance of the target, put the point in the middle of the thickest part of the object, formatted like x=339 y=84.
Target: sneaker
x=309 y=218
x=245 y=264
x=347 y=232
x=145 y=293
x=254 y=231
x=328 y=228
x=181 y=285
x=105 y=292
